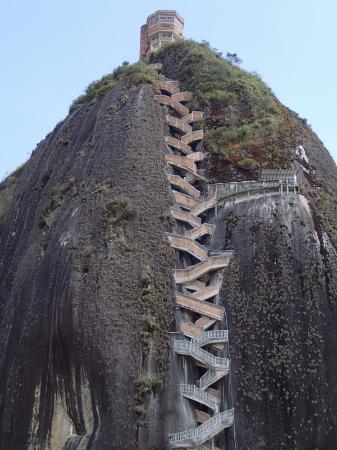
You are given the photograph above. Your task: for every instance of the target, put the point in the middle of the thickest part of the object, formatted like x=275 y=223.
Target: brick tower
x=161 y=27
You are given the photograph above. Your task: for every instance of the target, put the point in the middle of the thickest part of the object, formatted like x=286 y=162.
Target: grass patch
x=149 y=300
x=7 y=190
x=134 y=74
x=6 y=197
x=119 y=209
x=145 y=387
x=55 y=201
x=327 y=209
x=116 y=214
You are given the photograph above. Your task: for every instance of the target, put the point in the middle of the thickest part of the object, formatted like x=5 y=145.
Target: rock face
x=281 y=319
x=83 y=240
x=87 y=296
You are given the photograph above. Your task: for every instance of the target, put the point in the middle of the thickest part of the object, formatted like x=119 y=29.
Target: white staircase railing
x=199 y=435
x=189 y=348
x=211 y=336
x=210 y=377
x=193 y=392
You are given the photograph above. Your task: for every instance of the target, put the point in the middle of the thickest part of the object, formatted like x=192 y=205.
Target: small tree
x=233 y=58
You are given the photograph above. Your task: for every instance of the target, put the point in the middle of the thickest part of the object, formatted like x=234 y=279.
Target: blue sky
x=51 y=50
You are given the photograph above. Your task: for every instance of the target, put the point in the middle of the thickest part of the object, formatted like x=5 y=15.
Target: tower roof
x=170 y=12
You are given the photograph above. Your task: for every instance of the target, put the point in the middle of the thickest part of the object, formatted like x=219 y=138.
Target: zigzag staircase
x=197 y=284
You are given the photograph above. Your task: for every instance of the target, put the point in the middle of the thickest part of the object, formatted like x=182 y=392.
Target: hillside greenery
x=7 y=190
x=244 y=121
x=134 y=74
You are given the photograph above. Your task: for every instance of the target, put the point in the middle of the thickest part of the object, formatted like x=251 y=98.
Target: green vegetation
x=7 y=189
x=205 y=73
x=55 y=201
x=232 y=220
x=149 y=299
x=327 y=208
x=45 y=177
x=6 y=196
x=115 y=216
x=118 y=209
x=248 y=163
x=140 y=73
x=134 y=74
x=167 y=218
x=145 y=387
x=246 y=123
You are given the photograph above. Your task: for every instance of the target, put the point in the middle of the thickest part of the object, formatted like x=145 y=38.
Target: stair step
x=185 y=216
x=156 y=66
x=203 y=206
x=194 y=116
x=178 y=144
x=194 y=285
x=198 y=436
x=198 y=395
x=184 y=96
x=210 y=377
x=178 y=124
x=188 y=245
x=196 y=156
x=199 y=306
x=178 y=181
x=202 y=230
x=190 y=329
x=182 y=162
x=194 y=136
x=171 y=87
x=184 y=200
x=205 y=322
x=173 y=103
x=207 y=359
x=207 y=292
x=201 y=416
x=214 y=392
x=190 y=273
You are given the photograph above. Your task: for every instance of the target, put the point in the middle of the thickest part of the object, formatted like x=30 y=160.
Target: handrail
x=210 y=377
x=179 y=144
x=170 y=101
x=178 y=181
x=179 y=124
x=201 y=230
x=185 y=216
x=194 y=272
x=156 y=66
x=190 y=390
x=199 y=306
x=185 y=200
x=189 y=198
x=211 y=336
x=188 y=245
x=254 y=189
x=189 y=347
x=168 y=86
x=193 y=136
x=225 y=418
x=184 y=96
x=208 y=203
x=196 y=156
x=182 y=162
